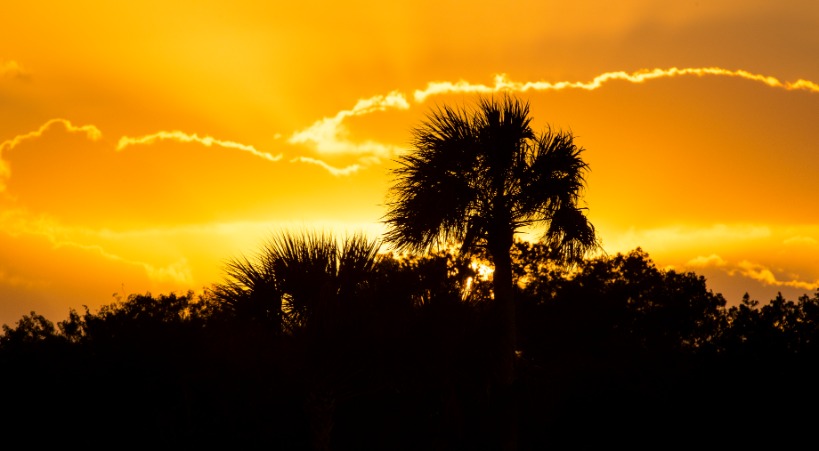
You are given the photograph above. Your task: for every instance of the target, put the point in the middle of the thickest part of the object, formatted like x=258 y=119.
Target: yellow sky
x=143 y=144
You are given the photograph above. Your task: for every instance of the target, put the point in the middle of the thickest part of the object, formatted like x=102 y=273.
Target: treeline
x=343 y=348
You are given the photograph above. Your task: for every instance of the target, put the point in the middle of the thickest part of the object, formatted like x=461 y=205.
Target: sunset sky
x=143 y=144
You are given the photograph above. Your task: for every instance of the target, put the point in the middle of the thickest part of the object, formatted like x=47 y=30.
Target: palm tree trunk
x=505 y=304
x=504 y=397
x=500 y=247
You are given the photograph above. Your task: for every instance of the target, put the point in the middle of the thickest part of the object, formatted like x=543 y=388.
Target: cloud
x=800 y=241
x=502 y=83
x=207 y=141
x=680 y=237
x=754 y=271
x=91 y=131
x=763 y=274
x=12 y=69
x=351 y=169
x=18 y=222
x=178 y=272
x=750 y=270
x=710 y=260
x=329 y=135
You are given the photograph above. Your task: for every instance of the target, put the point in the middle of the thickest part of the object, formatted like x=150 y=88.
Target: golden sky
x=142 y=144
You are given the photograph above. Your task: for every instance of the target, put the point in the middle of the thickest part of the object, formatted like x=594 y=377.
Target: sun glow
x=483 y=270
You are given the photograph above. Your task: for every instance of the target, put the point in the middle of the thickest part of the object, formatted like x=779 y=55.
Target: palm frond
x=478 y=171
x=570 y=236
x=298 y=276
x=433 y=189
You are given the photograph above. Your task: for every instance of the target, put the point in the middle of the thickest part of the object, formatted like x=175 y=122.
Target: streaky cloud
x=16 y=222
x=679 y=237
x=328 y=135
x=709 y=260
x=763 y=274
x=91 y=131
x=207 y=141
x=502 y=82
x=178 y=272
x=348 y=170
x=750 y=270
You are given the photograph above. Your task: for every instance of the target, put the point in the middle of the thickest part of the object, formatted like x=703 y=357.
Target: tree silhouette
x=250 y=291
x=298 y=281
x=30 y=328
x=617 y=346
x=477 y=177
x=315 y=289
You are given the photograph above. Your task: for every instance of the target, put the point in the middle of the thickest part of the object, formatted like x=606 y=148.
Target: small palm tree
x=318 y=276
x=251 y=290
x=477 y=177
x=310 y=285
x=298 y=280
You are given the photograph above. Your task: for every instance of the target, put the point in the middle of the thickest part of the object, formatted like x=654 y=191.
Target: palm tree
x=251 y=291
x=309 y=286
x=298 y=281
x=479 y=176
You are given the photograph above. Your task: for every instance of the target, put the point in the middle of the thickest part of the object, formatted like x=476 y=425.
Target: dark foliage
x=475 y=177
x=613 y=352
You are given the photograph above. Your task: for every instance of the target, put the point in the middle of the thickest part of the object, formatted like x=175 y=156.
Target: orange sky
x=143 y=144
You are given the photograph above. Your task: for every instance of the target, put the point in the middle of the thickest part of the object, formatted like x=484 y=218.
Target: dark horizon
x=623 y=353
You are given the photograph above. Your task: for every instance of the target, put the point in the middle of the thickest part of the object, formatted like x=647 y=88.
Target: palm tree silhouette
x=310 y=286
x=299 y=280
x=477 y=177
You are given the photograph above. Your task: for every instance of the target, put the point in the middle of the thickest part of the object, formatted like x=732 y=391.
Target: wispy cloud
x=751 y=270
x=17 y=222
x=502 y=83
x=681 y=237
x=800 y=241
x=207 y=141
x=330 y=135
x=348 y=170
x=178 y=272
x=704 y=261
x=763 y=274
x=12 y=69
x=91 y=131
